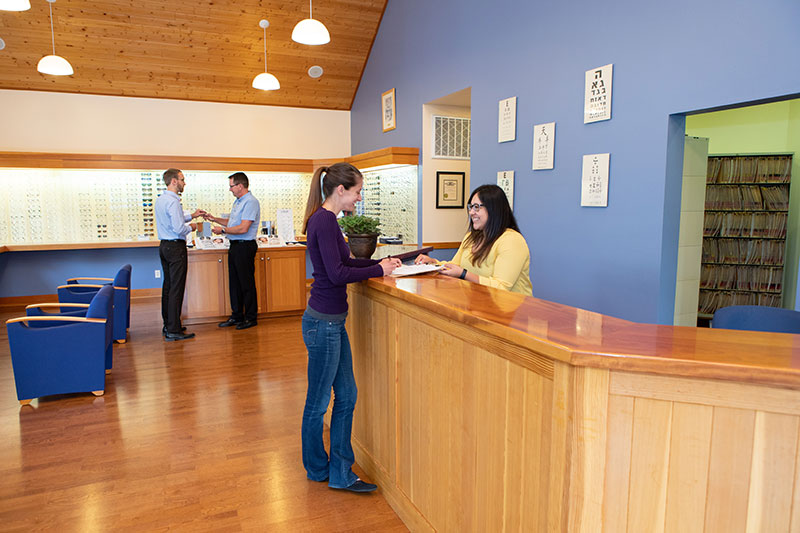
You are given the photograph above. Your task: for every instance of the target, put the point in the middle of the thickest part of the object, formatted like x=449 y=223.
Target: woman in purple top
x=330 y=365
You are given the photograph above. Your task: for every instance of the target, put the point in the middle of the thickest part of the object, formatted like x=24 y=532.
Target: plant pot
x=363 y=246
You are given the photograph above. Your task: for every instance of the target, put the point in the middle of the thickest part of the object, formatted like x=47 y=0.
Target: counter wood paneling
x=481 y=410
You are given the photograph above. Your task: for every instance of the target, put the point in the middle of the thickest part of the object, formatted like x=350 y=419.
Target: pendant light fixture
x=15 y=5
x=310 y=31
x=54 y=65
x=265 y=81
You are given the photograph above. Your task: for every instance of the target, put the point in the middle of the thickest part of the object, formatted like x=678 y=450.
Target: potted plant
x=362 y=234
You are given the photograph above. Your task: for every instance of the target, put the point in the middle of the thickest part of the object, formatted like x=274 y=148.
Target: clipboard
x=405 y=256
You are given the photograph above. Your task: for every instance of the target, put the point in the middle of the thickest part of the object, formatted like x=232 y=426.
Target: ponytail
x=324 y=181
x=314 y=195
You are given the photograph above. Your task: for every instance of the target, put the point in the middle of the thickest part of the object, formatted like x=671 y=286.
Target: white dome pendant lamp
x=54 y=65
x=310 y=31
x=15 y=5
x=265 y=81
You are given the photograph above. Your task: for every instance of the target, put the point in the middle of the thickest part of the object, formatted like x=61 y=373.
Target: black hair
x=500 y=218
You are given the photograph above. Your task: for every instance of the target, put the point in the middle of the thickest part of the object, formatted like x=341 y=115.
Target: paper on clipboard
x=411 y=270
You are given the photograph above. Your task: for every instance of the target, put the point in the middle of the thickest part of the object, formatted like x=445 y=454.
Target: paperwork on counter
x=411 y=270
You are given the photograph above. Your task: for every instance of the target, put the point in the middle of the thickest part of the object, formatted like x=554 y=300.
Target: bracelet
x=463 y=274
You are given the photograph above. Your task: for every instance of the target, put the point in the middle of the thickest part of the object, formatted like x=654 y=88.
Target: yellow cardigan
x=507 y=265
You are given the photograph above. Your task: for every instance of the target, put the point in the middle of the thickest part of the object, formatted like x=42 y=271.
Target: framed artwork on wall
x=450 y=190
x=388 y=110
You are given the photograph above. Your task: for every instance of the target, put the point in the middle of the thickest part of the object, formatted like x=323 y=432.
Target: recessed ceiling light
x=315 y=71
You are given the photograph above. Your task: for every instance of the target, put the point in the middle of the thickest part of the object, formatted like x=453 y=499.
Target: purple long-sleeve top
x=333 y=266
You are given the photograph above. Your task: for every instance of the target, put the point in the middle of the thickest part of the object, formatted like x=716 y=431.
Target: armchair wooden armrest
x=33 y=306
x=88 y=285
x=97 y=279
x=79 y=319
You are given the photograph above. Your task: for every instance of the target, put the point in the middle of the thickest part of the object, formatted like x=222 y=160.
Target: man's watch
x=223 y=231
x=463 y=274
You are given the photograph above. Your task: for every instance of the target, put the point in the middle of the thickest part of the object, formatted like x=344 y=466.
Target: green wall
x=767 y=128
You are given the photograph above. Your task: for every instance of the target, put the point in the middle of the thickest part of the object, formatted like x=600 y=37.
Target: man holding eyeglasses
x=241 y=227
x=173 y=227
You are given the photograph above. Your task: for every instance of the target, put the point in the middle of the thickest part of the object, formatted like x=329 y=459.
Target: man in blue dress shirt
x=241 y=227
x=173 y=227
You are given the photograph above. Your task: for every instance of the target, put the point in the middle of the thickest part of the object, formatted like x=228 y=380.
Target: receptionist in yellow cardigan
x=493 y=252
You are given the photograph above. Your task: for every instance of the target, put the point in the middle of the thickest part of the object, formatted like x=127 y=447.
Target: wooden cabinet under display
x=744 y=231
x=280 y=283
x=278 y=276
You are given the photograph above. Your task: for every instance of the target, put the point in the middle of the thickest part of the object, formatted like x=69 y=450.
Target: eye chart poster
x=505 y=180
x=597 y=98
x=507 y=120
x=594 y=183
x=544 y=137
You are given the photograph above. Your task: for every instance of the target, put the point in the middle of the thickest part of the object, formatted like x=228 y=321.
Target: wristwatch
x=223 y=231
x=463 y=274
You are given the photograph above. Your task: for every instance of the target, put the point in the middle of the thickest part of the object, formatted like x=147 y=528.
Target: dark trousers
x=242 y=280
x=174 y=263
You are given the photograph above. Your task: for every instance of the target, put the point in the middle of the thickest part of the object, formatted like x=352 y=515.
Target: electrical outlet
x=158 y=274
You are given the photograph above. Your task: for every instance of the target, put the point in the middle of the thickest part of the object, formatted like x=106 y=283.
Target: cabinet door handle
x=267 y=258
x=219 y=260
x=262 y=258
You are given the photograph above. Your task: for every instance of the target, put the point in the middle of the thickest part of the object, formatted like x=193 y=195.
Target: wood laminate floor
x=197 y=435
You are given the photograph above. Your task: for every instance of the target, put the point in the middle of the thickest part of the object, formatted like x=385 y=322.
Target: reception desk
x=482 y=410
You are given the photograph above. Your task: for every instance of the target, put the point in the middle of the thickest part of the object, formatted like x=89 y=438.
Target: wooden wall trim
x=392 y=155
x=79 y=246
x=21 y=301
x=386 y=156
x=442 y=245
x=151 y=162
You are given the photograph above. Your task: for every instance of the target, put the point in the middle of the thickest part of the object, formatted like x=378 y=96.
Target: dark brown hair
x=324 y=181
x=500 y=218
x=240 y=177
x=171 y=174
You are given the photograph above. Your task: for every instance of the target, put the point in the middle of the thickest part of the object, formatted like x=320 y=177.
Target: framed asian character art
x=450 y=190
x=388 y=110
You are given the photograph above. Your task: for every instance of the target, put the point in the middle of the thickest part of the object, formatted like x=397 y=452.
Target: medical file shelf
x=744 y=231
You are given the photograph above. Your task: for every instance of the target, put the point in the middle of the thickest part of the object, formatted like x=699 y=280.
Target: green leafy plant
x=359 y=225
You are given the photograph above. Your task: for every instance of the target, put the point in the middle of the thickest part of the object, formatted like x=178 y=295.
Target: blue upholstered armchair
x=757 y=318
x=59 y=353
x=77 y=291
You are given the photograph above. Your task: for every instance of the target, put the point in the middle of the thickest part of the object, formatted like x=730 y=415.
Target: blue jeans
x=330 y=365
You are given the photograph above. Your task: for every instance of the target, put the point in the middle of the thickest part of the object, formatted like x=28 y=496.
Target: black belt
x=234 y=241
x=174 y=240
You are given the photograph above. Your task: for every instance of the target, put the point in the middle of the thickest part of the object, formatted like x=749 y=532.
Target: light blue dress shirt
x=245 y=208
x=170 y=220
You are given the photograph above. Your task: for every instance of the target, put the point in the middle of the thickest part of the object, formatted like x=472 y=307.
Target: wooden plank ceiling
x=207 y=50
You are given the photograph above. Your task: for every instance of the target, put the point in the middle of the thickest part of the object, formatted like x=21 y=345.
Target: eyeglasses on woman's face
x=474 y=207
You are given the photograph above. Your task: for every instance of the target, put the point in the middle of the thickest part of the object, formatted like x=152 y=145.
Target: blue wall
x=27 y=273
x=669 y=59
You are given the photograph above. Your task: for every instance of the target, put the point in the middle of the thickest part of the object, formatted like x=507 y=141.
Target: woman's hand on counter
x=423 y=259
x=388 y=264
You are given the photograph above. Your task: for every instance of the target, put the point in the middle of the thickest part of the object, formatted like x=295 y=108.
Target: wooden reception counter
x=482 y=410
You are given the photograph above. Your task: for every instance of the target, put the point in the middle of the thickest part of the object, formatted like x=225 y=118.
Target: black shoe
x=246 y=324
x=360 y=486
x=228 y=323
x=178 y=336
x=164 y=330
